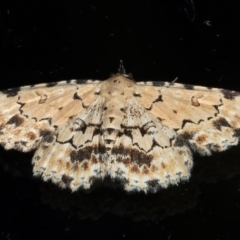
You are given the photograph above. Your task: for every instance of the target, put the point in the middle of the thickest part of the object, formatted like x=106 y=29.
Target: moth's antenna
x=121 y=69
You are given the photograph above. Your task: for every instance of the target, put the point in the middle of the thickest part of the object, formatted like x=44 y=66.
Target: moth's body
x=140 y=133
x=115 y=92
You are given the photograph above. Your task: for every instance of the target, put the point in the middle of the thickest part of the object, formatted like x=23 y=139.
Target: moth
x=140 y=133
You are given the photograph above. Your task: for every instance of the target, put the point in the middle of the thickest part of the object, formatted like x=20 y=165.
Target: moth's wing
x=146 y=155
x=207 y=119
x=76 y=154
x=27 y=114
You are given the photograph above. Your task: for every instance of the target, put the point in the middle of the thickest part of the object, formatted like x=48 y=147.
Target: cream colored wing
x=141 y=134
x=206 y=119
x=28 y=114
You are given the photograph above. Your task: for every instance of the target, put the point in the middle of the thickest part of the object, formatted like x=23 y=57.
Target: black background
x=194 y=40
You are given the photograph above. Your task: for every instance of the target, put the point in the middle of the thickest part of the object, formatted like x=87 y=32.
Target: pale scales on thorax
x=142 y=134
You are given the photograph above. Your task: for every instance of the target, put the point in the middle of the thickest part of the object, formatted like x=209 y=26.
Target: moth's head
x=122 y=71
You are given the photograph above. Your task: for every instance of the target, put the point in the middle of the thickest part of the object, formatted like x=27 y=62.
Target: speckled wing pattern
x=142 y=134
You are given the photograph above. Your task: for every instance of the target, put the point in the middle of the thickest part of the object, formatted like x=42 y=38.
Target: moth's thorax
x=116 y=91
x=117 y=86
